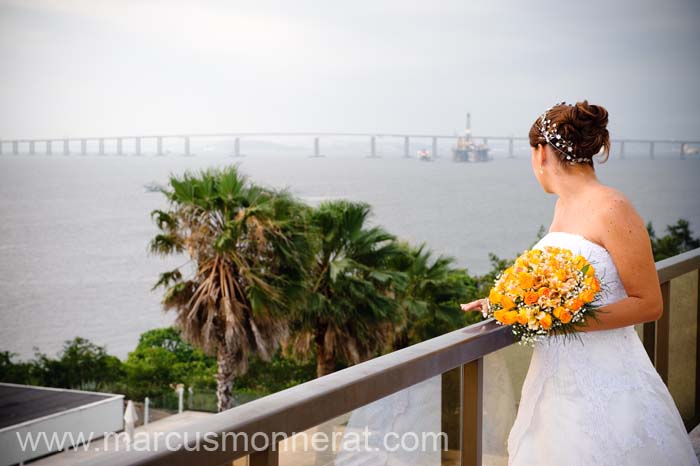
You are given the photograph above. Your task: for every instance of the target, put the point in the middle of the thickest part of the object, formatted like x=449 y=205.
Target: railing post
x=697 y=354
x=649 y=340
x=269 y=457
x=662 y=333
x=471 y=412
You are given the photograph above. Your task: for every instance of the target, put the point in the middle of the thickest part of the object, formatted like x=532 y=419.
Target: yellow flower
x=557 y=311
x=499 y=315
x=522 y=317
x=546 y=321
x=531 y=297
x=507 y=303
x=587 y=296
x=526 y=280
x=510 y=317
x=494 y=296
x=574 y=304
x=565 y=317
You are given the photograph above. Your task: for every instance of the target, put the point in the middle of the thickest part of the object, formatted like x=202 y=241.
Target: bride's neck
x=570 y=185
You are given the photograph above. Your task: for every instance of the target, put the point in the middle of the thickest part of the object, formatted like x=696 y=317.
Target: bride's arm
x=627 y=241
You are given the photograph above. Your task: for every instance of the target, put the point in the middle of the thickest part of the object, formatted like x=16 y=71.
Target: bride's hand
x=478 y=305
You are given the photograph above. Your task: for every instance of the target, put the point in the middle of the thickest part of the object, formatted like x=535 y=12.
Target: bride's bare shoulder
x=618 y=216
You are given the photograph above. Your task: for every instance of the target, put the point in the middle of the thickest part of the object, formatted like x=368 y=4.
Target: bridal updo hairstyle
x=583 y=125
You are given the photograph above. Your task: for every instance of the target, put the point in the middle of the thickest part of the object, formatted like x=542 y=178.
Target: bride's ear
x=540 y=154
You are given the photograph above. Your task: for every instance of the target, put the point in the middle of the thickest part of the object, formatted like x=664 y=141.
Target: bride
x=598 y=401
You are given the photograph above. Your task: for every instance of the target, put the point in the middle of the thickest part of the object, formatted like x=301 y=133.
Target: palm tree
x=249 y=249
x=350 y=311
x=431 y=296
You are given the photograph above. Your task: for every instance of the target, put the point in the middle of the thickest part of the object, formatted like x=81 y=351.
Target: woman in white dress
x=599 y=401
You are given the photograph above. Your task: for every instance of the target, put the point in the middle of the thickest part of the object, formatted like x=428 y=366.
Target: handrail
x=309 y=404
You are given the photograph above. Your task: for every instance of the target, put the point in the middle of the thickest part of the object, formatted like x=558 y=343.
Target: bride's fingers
x=476 y=305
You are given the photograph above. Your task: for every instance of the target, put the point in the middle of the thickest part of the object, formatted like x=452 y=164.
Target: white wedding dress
x=597 y=402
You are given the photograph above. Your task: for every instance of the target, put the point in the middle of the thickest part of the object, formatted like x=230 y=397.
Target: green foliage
x=430 y=295
x=78 y=364
x=265 y=377
x=678 y=240
x=162 y=359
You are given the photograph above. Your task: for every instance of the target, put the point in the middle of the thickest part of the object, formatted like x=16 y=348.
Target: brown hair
x=583 y=125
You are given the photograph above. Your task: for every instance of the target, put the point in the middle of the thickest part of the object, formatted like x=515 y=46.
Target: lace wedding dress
x=598 y=403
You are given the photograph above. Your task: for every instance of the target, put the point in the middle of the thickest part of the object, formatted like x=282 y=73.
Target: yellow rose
x=507 y=303
x=557 y=312
x=565 y=317
x=546 y=321
x=531 y=297
x=510 y=317
x=499 y=315
x=494 y=296
x=575 y=304
x=587 y=296
x=522 y=317
x=526 y=280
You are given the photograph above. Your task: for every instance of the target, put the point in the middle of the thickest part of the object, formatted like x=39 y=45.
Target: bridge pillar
x=373 y=147
x=119 y=147
x=622 y=149
x=683 y=145
x=317 y=147
x=83 y=146
x=137 y=144
x=15 y=147
x=159 y=145
x=0 y=146
x=187 y=146
x=101 y=148
x=49 y=150
x=651 y=150
x=406 y=147
x=237 y=147
x=31 y=147
x=66 y=147
x=434 y=153
x=511 y=151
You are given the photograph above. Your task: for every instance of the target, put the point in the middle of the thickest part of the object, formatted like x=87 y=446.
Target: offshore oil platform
x=468 y=150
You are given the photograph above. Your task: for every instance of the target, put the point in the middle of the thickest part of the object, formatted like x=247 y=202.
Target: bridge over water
x=117 y=145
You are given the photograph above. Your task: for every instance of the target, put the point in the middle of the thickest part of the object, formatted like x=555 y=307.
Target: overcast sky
x=95 y=67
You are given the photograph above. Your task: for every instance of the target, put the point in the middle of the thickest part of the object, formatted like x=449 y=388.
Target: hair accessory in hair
x=550 y=134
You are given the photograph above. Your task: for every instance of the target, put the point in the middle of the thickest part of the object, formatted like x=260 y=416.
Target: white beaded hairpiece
x=549 y=132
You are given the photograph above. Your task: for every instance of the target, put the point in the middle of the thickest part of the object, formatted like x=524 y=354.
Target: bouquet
x=548 y=291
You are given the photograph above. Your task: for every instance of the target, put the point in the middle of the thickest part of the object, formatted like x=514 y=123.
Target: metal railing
x=307 y=405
